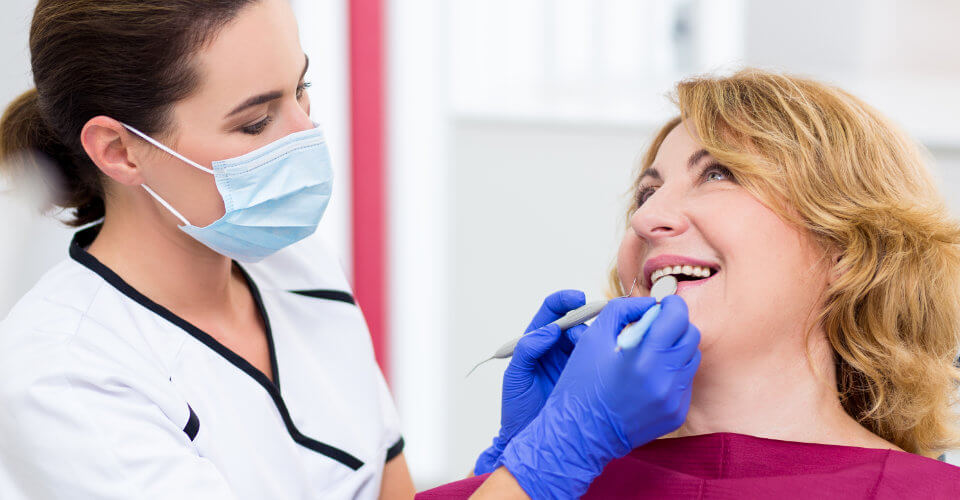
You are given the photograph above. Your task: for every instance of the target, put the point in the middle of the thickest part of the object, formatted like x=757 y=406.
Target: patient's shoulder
x=726 y=465
x=906 y=475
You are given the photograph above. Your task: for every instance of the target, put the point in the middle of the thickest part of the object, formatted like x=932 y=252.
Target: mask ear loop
x=166 y=205
x=177 y=155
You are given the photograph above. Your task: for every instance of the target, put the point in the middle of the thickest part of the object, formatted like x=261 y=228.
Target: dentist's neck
x=160 y=261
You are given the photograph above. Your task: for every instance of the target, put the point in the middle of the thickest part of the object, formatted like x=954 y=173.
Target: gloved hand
x=536 y=365
x=607 y=403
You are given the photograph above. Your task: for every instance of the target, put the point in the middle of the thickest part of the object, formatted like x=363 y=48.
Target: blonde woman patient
x=822 y=268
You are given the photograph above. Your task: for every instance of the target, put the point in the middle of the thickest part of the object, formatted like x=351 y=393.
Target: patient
x=830 y=318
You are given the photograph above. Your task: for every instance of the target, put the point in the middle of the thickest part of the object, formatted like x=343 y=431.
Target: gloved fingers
x=533 y=346
x=684 y=376
x=555 y=306
x=685 y=395
x=677 y=356
x=619 y=313
x=553 y=362
x=670 y=324
x=573 y=335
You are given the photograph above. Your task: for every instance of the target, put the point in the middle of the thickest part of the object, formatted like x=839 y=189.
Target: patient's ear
x=836 y=270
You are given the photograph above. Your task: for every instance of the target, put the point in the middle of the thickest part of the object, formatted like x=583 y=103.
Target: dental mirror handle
x=631 y=336
x=573 y=318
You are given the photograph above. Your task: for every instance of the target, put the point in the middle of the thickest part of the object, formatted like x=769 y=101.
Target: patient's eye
x=644 y=193
x=716 y=172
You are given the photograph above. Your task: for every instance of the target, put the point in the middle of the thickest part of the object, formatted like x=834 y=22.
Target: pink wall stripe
x=368 y=135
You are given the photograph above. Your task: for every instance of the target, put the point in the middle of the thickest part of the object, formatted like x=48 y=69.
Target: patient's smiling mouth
x=687 y=270
x=680 y=271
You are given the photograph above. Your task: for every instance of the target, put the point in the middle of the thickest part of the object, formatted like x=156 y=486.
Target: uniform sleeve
x=75 y=426
x=392 y=439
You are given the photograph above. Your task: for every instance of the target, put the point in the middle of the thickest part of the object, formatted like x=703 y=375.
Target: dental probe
x=631 y=336
x=573 y=318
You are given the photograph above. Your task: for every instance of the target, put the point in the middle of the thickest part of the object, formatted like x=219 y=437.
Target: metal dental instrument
x=573 y=318
x=631 y=336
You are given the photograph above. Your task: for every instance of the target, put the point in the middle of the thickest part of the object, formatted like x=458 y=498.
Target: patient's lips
x=687 y=270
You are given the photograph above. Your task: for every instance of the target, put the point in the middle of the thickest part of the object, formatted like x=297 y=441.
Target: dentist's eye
x=716 y=172
x=258 y=127
x=302 y=88
x=644 y=193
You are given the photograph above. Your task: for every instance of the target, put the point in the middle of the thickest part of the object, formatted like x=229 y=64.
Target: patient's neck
x=776 y=395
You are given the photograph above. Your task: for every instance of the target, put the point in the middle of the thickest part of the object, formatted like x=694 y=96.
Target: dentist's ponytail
x=29 y=147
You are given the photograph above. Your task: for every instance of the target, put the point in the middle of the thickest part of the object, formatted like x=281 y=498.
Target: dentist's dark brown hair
x=127 y=59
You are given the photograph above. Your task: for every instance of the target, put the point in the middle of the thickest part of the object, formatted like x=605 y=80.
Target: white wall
x=419 y=238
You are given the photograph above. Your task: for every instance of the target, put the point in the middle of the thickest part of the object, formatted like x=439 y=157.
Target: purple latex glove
x=537 y=362
x=607 y=403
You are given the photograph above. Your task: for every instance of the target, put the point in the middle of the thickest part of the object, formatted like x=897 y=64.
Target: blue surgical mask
x=274 y=196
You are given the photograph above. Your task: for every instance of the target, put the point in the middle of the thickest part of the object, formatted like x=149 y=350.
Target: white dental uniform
x=105 y=394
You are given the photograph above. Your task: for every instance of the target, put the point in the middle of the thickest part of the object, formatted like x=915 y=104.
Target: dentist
x=190 y=347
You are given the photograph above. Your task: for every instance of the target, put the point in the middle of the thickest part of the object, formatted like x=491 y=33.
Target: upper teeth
x=696 y=271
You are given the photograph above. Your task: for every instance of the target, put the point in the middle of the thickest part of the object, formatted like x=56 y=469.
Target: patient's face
x=766 y=277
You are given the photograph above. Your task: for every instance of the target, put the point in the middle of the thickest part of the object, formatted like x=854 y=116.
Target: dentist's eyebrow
x=269 y=96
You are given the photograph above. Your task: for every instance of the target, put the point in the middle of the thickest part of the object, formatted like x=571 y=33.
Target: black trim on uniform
x=274 y=369
x=337 y=295
x=193 y=424
x=395 y=450
x=84 y=237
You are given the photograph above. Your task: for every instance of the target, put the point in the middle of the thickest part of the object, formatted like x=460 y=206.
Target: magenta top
x=726 y=465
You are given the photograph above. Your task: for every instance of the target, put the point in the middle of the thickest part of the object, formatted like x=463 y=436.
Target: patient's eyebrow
x=696 y=157
x=652 y=173
x=692 y=161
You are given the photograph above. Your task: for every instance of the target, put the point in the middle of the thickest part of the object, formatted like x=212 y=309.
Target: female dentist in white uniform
x=187 y=348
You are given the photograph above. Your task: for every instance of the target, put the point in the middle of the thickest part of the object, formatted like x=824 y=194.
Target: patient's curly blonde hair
x=834 y=166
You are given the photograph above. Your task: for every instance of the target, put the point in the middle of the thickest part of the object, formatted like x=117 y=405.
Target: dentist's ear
x=108 y=143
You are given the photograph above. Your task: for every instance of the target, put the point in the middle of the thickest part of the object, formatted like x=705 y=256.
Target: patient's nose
x=660 y=216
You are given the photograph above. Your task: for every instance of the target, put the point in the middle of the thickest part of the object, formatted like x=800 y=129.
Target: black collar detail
x=193 y=424
x=336 y=295
x=83 y=238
